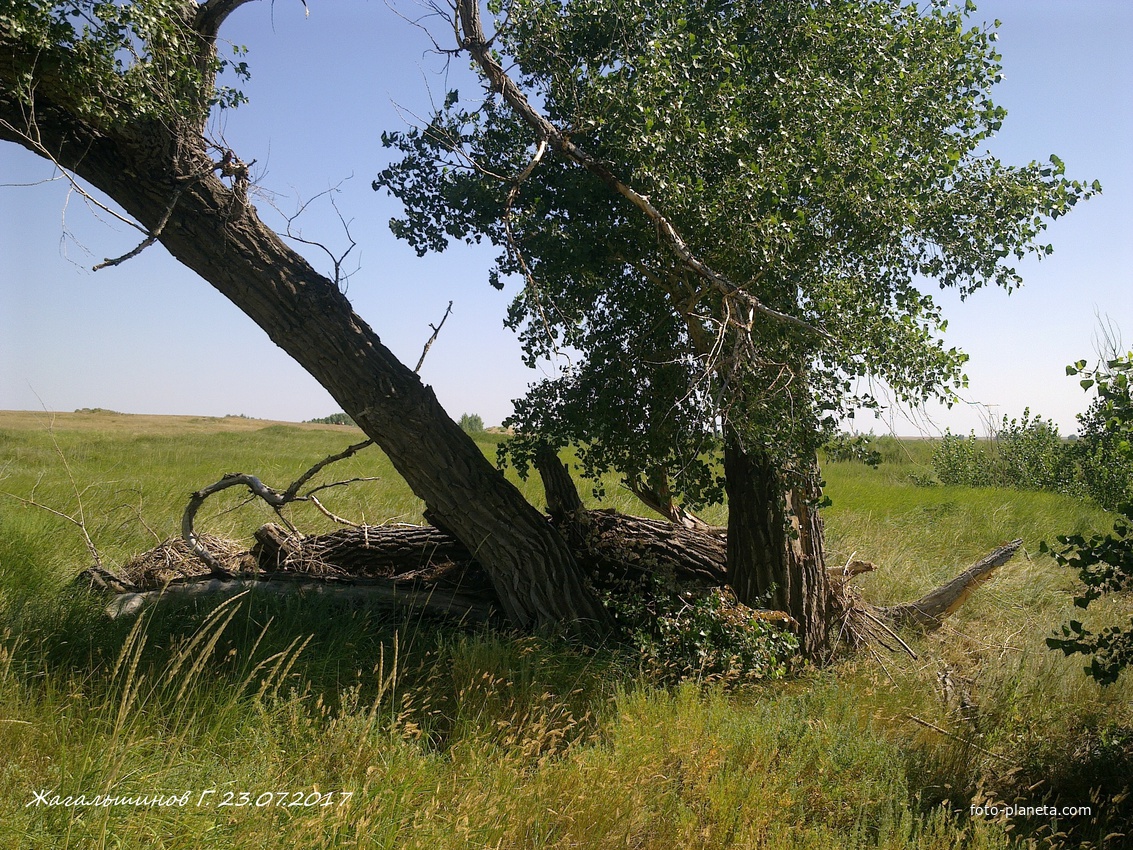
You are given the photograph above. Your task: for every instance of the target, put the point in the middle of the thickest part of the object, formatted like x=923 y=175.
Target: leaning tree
x=119 y=95
x=726 y=214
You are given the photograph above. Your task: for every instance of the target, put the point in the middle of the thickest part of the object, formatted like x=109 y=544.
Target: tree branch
x=479 y=46
x=930 y=609
x=432 y=339
x=154 y=235
x=337 y=260
x=212 y=14
x=278 y=500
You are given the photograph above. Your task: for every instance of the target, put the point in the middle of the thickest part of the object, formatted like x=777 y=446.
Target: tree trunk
x=169 y=184
x=775 y=543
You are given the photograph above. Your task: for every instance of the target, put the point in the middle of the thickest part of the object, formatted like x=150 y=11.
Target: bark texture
x=928 y=611
x=775 y=543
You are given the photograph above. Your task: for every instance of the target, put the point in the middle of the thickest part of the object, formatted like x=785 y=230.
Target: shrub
x=1105 y=561
x=1033 y=455
x=333 y=419
x=1024 y=454
x=1104 y=471
x=700 y=634
x=471 y=423
x=963 y=461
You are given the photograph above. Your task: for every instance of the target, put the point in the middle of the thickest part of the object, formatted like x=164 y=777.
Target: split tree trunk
x=775 y=543
x=169 y=183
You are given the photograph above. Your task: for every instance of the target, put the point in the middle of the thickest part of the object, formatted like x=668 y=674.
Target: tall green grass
x=430 y=736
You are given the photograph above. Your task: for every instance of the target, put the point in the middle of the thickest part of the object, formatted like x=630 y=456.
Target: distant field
x=141 y=423
x=438 y=738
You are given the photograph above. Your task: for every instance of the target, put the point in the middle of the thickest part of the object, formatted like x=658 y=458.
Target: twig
x=325 y=462
x=40 y=150
x=275 y=498
x=432 y=339
x=79 y=522
x=956 y=737
x=337 y=260
x=154 y=235
x=890 y=631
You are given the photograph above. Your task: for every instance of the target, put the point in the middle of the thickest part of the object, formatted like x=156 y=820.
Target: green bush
x=963 y=461
x=1104 y=561
x=1033 y=455
x=1024 y=454
x=333 y=419
x=1104 y=471
x=701 y=634
x=471 y=423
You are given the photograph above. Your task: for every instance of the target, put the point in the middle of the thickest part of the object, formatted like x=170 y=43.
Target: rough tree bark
x=163 y=177
x=775 y=543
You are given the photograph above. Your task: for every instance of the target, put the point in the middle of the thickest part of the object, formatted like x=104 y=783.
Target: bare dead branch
x=79 y=519
x=33 y=183
x=291 y=492
x=417 y=22
x=655 y=494
x=888 y=630
x=333 y=517
x=275 y=498
x=929 y=610
x=272 y=497
x=32 y=140
x=852 y=568
x=432 y=339
x=956 y=737
x=154 y=235
x=337 y=260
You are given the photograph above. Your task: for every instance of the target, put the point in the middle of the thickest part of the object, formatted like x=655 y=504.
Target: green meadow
x=301 y=724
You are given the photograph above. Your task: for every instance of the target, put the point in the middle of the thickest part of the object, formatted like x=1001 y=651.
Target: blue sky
x=151 y=337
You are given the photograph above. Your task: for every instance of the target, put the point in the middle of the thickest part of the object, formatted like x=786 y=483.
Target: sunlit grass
x=433 y=737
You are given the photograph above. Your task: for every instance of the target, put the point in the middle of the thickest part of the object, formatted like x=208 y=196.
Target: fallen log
x=427 y=568
x=617 y=547
x=423 y=568
x=406 y=552
x=380 y=593
x=928 y=611
x=613 y=547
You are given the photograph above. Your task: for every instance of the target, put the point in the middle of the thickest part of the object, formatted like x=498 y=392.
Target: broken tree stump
x=928 y=611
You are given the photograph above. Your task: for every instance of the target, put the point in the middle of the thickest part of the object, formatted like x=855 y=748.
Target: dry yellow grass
x=144 y=423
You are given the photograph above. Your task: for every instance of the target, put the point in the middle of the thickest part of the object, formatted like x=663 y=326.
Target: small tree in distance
x=334 y=419
x=471 y=423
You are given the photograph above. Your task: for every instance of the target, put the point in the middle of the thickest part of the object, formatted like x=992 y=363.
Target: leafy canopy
x=1104 y=561
x=825 y=156
x=114 y=63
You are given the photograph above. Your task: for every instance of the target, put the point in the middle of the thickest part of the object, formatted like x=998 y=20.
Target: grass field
x=303 y=725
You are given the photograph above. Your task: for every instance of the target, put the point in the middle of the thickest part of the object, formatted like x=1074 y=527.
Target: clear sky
x=151 y=337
